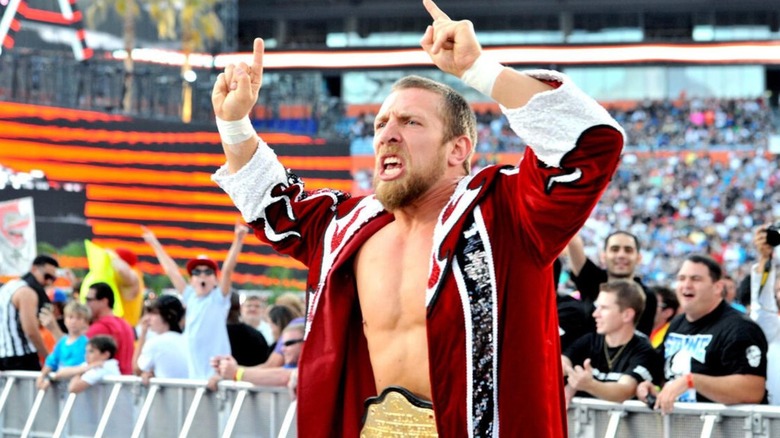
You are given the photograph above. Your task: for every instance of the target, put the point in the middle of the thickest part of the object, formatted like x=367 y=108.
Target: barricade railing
x=122 y=406
x=591 y=418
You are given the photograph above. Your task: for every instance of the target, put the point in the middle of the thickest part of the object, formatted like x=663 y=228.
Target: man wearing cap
x=129 y=281
x=207 y=299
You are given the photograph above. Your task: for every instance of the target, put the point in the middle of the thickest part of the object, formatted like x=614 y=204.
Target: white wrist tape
x=236 y=131
x=482 y=74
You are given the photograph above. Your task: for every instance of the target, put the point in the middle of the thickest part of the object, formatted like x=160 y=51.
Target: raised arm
x=574 y=144
x=235 y=93
x=271 y=199
x=763 y=303
x=229 y=265
x=575 y=252
x=129 y=280
x=168 y=264
x=454 y=49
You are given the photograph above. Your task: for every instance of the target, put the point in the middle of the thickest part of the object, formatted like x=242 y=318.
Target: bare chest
x=392 y=276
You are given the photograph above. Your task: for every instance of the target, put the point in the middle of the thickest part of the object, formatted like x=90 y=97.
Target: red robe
x=492 y=326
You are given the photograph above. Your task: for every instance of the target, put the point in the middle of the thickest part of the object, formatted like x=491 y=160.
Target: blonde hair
x=78 y=309
x=292 y=301
x=295 y=327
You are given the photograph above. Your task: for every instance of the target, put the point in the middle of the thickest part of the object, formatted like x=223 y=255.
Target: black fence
x=98 y=84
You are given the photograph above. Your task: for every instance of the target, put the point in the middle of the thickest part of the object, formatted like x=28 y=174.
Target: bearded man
x=422 y=297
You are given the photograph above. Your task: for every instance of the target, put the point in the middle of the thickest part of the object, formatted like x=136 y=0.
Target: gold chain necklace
x=613 y=359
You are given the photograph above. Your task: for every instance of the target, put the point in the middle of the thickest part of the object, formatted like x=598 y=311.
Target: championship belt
x=397 y=413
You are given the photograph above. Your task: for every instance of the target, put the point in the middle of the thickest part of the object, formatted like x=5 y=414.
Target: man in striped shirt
x=21 y=343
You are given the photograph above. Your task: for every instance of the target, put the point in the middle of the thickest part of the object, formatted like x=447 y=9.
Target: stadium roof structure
x=307 y=23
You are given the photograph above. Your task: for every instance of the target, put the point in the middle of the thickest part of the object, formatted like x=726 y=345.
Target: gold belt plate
x=398 y=413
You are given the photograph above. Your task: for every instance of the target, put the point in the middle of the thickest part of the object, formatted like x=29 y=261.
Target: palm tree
x=199 y=26
x=129 y=10
x=197 y=21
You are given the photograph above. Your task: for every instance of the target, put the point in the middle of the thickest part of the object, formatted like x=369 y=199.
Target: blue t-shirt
x=205 y=330
x=67 y=354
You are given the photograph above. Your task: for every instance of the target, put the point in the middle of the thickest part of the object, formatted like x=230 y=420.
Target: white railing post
x=709 y=424
x=101 y=429
x=33 y=413
x=139 y=424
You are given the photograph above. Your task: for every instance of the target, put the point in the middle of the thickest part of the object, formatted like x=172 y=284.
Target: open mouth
x=391 y=168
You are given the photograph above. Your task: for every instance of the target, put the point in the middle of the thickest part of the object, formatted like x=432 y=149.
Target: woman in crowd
x=165 y=353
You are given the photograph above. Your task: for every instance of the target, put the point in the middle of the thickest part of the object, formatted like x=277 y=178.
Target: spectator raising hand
x=206 y=297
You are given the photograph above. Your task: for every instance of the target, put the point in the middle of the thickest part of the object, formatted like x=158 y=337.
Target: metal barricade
x=591 y=418
x=122 y=406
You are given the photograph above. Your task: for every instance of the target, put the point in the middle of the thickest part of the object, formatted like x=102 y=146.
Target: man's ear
x=460 y=151
x=720 y=286
x=628 y=315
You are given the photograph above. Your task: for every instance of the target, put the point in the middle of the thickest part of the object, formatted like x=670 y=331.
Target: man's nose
x=388 y=134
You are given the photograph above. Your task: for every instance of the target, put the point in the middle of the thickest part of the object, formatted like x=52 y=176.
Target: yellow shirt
x=133 y=308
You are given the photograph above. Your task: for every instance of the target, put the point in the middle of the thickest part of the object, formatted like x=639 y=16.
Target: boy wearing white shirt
x=100 y=363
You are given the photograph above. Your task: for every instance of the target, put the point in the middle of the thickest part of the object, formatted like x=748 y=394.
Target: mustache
x=390 y=150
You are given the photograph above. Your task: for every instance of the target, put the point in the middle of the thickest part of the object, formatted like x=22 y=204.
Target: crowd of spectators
x=686 y=199
x=697 y=177
x=689 y=204
x=701 y=329
x=200 y=330
x=684 y=124
x=681 y=202
x=696 y=123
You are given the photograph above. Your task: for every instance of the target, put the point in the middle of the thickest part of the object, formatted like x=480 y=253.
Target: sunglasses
x=292 y=342
x=48 y=277
x=206 y=271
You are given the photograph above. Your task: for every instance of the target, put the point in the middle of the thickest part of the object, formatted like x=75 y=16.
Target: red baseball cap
x=201 y=260
x=128 y=256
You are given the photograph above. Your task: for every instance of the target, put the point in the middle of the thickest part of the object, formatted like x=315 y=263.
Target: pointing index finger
x=436 y=13
x=257 y=54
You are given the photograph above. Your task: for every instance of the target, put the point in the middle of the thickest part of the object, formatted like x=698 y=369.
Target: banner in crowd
x=17 y=236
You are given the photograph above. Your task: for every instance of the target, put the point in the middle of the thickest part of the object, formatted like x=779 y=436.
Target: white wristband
x=236 y=131
x=482 y=75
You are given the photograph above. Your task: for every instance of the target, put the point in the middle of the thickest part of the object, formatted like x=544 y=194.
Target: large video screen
x=101 y=176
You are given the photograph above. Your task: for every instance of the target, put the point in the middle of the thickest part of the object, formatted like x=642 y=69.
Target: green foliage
x=46 y=248
x=157 y=283
x=75 y=248
x=195 y=22
x=282 y=274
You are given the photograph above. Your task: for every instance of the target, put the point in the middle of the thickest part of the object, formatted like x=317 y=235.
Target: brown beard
x=402 y=192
